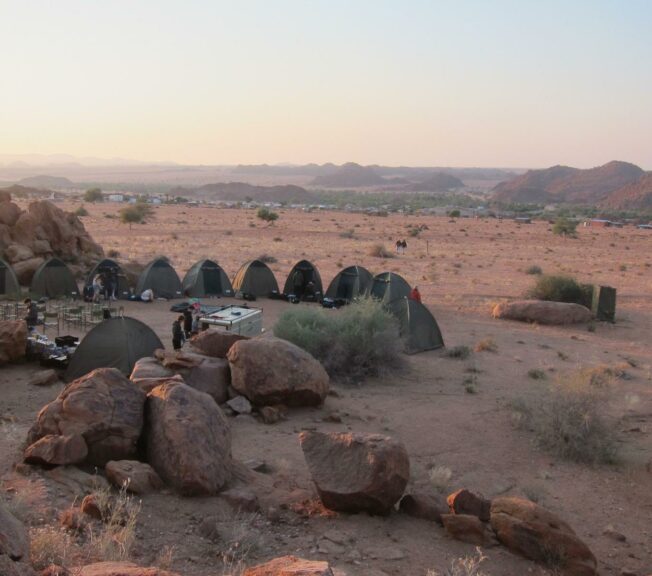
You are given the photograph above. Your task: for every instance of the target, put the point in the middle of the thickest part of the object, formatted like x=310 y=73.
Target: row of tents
x=206 y=278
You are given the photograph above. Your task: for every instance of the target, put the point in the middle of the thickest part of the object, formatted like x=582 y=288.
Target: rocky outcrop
x=13 y=340
x=28 y=237
x=542 y=312
x=187 y=439
x=290 y=566
x=533 y=532
x=14 y=541
x=356 y=472
x=104 y=408
x=215 y=343
x=136 y=477
x=54 y=450
x=272 y=371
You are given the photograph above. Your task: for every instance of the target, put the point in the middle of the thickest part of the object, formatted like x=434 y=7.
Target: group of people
x=105 y=284
x=186 y=325
x=401 y=246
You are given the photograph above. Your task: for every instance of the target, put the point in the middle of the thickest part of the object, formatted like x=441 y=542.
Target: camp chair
x=50 y=320
x=73 y=315
x=94 y=316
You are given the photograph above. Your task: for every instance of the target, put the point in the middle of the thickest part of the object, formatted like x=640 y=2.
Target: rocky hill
x=350 y=175
x=568 y=185
x=29 y=237
x=240 y=192
x=634 y=196
x=44 y=181
x=438 y=182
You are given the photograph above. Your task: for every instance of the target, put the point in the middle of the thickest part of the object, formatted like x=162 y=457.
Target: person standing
x=187 y=321
x=31 y=319
x=177 y=333
x=415 y=294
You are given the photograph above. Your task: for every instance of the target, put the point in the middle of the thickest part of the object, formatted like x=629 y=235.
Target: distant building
x=115 y=198
x=523 y=220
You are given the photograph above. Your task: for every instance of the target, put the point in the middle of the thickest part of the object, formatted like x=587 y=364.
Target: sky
x=507 y=83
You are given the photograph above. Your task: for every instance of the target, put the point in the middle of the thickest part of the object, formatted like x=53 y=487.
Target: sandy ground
x=460 y=267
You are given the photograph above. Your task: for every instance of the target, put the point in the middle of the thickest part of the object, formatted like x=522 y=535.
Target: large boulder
x=14 y=541
x=534 y=532
x=103 y=407
x=13 y=340
x=17 y=252
x=465 y=527
x=272 y=371
x=290 y=566
x=136 y=477
x=542 y=312
x=356 y=472
x=215 y=343
x=466 y=502
x=188 y=440
x=119 y=569
x=9 y=213
x=54 y=450
x=212 y=376
x=149 y=368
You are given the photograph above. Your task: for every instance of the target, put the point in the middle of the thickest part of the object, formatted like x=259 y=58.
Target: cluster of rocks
x=13 y=340
x=29 y=237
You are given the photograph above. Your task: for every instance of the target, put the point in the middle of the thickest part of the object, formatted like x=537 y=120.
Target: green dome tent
x=53 y=279
x=115 y=343
x=255 y=278
x=418 y=326
x=206 y=278
x=389 y=286
x=159 y=277
x=304 y=281
x=350 y=283
x=107 y=267
x=9 y=287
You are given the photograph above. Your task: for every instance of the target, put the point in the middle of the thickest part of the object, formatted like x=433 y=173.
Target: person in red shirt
x=415 y=294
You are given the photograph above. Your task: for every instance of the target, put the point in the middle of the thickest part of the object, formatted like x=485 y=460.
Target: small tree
x=135 y=214
x=81 y=211
x=454 y=214
x=93 y=195
x=564 y=227
x=266 y=215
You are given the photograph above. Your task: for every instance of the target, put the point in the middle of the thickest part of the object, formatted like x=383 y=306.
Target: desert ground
x=454 y=414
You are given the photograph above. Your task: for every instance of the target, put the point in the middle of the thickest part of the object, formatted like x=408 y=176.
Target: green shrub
x=358 y=341
x=93 y=195
x=557 y=289
x=564 y=227
x=267 y=215
x=454 y=213
x=458 y=352
x=534 y=270
x=81 y=211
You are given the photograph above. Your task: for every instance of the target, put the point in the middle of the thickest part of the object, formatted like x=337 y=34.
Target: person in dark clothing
x=187 y=321
x=31 y=319
x=177 y=333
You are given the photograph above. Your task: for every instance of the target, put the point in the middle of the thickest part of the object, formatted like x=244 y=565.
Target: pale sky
x=517 y=83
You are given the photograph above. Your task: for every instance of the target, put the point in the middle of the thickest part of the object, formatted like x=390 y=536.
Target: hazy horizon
x=460 y=84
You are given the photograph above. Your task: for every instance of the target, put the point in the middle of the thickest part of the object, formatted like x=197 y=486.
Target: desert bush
x=466 y=566
x=414 y=232
x=454 y=214
x=379 y=251
x=486 y=345
x=557 y=289
x=440 y=477
x=534 y=270
x=348 y=233
x=358 y=341
x=267 y=259
x=458 y=352
x=50 y=545
x=135 y=213
x=277 y=239
x=536 y=374
x=573 y=420
x=266 y=215
x=93 y=195
x=565 y=227
x=81 y=211
x=113 y=254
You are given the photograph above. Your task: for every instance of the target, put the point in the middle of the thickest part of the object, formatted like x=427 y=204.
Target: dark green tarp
x=206 y=278
x=115 y=343
x=53 y=279
x=389 y=286
x=352 y=282
x=304 y=279
x=418 y=326
x=107 y=267
x=159 y=277
x=9 y=287
x=255 y=278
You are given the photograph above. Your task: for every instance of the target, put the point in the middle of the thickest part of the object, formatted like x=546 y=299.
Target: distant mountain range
x=438 y=182
x=43 y=181
x=241 y=191
x=616 y=185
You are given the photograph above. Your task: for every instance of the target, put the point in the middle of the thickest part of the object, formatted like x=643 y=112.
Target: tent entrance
x=212 y=281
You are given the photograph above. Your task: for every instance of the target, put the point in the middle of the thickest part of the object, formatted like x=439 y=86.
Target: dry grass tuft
x=440 y=477
x=466 y=566
x=379 y=251
x=486 y=345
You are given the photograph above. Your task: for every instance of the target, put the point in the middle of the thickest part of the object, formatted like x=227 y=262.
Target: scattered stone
x=187 y=439
x=44 y=378
x=465 y=527
x=356 y=472
x=289 y=566
x=542 y=312
x=119 y=569
x=13 y=340
x=215 y=343
x=57 y=450
x=612 y=533
x=240 y=405
x=272 y=414
x=103 y=407
x=14 y=541
x=241 y=499
x=136 y=477
x=423 y=506
x=465 y=502
x=270 y=371
x=532 y=531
